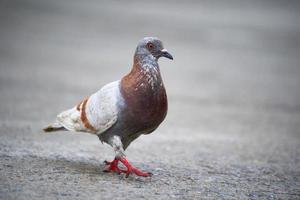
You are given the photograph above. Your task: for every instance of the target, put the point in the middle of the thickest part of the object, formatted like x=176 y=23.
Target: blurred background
x=233 y=126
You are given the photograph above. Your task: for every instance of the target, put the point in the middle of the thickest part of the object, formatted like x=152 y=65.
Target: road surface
x=233 y=125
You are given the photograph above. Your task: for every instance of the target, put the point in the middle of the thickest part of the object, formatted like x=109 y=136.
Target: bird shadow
x=88 y=168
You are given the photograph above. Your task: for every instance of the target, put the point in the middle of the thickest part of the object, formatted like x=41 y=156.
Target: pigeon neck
x=144 y=75
x=145 y=62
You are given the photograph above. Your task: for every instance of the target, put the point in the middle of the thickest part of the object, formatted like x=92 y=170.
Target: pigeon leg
x=113 y=167
x=132 y=170
x=116 y=143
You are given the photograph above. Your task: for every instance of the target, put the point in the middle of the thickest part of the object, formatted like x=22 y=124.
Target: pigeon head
x=152 y=46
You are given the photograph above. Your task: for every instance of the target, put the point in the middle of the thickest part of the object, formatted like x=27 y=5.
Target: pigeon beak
x=166 y=54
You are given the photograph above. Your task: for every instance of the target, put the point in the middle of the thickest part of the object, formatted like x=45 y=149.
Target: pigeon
x=123 y=110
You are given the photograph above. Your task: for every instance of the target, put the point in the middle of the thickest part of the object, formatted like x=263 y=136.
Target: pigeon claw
x=114 y=167
x=133 y=170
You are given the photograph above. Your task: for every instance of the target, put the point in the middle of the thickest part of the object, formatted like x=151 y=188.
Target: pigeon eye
x=150 y=45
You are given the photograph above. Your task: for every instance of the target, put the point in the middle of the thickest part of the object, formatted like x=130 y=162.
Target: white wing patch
x=102 y=107
x=101 y=111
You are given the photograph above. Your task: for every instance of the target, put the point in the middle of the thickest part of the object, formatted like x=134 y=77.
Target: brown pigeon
x=123 y=110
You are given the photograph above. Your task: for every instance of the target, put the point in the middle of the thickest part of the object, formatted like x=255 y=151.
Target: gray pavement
x=233 y=126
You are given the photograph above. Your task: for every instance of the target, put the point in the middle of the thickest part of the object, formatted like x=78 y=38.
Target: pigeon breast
x=144 y=95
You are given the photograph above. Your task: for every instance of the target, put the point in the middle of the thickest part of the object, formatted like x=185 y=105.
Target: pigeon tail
x=54 y=127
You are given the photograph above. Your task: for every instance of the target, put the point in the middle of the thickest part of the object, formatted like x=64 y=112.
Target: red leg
x=113 y=167
x=131 y=169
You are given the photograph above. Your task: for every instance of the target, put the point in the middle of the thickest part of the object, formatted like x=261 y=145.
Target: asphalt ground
x=233 y=125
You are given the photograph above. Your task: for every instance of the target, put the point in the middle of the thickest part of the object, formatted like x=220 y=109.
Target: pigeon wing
x=95 y=114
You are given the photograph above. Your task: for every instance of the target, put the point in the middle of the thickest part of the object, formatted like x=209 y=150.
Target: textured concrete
x=233 y=127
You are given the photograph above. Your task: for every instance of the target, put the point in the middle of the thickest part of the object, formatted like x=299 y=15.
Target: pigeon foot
x=113 y=167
